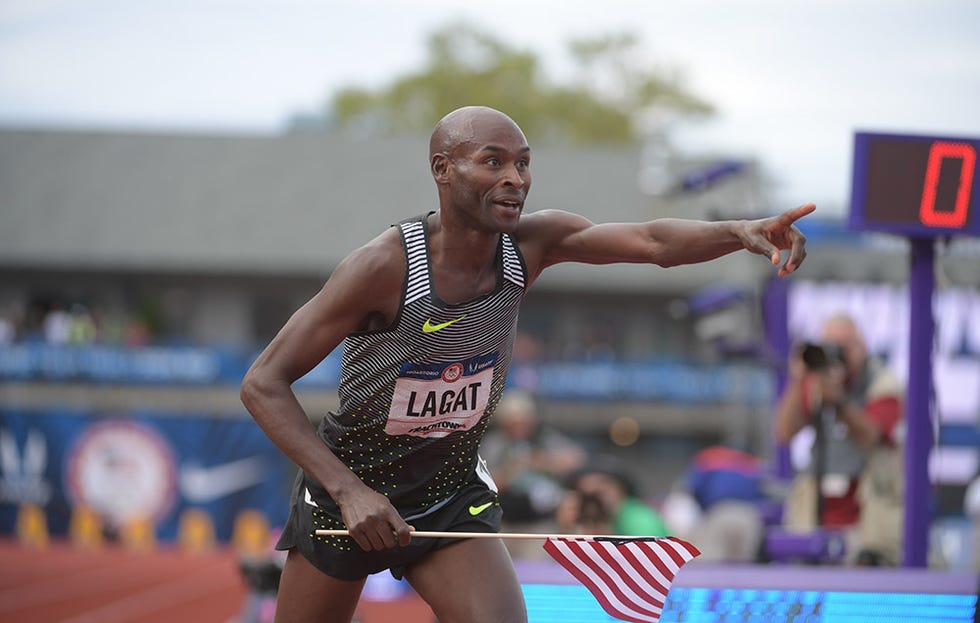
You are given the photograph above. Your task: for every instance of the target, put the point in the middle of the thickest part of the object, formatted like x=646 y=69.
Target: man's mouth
x=511 y=204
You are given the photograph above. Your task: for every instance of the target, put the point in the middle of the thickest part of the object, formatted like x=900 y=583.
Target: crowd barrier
x=663 y=379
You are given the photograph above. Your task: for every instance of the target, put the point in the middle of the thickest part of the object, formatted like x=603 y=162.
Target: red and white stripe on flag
x=629 y=577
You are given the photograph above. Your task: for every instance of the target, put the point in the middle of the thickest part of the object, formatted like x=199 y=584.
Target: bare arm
x=834 y=393
x=550 y=237
x=859 y=426
x=789 y=414
x=349 y=301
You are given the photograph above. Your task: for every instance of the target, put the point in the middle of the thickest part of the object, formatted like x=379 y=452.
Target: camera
x=262 y=576
x=592 y=509
x=820 y=356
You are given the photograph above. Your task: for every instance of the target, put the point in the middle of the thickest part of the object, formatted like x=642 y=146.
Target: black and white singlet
x=416 y=397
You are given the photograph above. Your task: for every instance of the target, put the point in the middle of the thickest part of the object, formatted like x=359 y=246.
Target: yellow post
x=195 y=532
x=139 y=534
x=32 y=526
x=85 y=529
x=251 y=534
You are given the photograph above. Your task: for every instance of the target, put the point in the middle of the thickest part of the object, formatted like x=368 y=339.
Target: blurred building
x=172 y=259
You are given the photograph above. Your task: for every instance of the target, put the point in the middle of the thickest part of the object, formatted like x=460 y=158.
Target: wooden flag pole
x=603 y=564
x=494 y=535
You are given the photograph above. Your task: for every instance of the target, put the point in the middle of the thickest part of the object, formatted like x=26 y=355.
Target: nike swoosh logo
x=428 y=327
x=206 y=484
x=476 y=510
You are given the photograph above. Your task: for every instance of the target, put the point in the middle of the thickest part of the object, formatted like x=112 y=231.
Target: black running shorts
x=474 y=508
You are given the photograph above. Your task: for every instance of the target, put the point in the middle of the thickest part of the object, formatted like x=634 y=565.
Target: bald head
x=840 y=329
x=466 y=126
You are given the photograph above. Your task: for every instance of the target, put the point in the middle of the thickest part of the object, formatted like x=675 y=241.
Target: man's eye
x=493 y=162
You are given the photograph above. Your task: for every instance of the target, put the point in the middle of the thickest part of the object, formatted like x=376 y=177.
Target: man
x=428 y=310
x=603 y=499
x=529 y=459
x=727 y=486
x=854 y=404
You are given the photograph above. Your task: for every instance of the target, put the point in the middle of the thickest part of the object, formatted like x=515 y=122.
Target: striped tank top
x=416 y=397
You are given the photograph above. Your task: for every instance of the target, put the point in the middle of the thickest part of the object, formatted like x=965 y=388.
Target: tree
x=605 y=102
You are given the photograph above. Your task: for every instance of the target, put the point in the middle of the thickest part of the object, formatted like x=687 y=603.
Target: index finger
x=787 y=218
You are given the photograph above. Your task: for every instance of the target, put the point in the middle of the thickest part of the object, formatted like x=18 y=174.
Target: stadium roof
x=294 y=204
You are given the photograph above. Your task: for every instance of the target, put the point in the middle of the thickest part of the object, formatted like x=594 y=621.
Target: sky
x=792 y=81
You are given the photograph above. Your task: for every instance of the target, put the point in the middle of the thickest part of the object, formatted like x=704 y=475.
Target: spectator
x=727 y=486
x=530 y=461
x=82 y=329
x=603 y=499
x=57 y=325
x=853 y=404
x=261 y=572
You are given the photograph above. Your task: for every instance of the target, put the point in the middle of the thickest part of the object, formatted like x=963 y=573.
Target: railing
x=660 y=380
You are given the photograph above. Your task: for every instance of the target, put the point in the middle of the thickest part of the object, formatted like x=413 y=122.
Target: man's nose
x=513 y=177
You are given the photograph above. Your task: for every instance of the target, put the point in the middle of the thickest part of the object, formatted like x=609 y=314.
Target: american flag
x=629 y=577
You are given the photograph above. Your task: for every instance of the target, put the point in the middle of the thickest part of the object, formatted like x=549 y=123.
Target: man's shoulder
x=545 y=220
x=381 y=256
x=882 y=381
x=548 y=227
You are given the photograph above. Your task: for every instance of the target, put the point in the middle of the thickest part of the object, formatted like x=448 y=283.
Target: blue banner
x=667 y=381
x=117 y=364
x=139 y=465
x=658 y=381
x=150 y=365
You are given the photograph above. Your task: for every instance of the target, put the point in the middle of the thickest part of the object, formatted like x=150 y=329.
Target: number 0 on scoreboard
x=916 y=186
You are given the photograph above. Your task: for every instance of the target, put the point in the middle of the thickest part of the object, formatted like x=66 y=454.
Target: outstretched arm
x=551 y=236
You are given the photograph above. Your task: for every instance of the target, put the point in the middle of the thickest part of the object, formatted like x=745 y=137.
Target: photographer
x=854 y=405
x=603 y=499
x=530 y=460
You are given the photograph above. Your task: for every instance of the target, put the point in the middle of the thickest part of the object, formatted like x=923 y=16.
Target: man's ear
x=440 y=165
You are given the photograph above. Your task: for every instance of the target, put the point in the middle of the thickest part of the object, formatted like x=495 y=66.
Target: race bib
x=435 y=400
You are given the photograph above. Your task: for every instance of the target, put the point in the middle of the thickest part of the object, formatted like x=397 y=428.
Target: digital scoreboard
x=915 y=186
x=923 y=188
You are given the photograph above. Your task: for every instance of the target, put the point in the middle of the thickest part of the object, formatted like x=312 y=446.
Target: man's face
x=603 y=486
x=491 y=175
x=847 y=339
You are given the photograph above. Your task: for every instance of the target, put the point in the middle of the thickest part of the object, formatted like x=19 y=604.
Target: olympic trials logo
x=452 y=373
x=124 y=471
